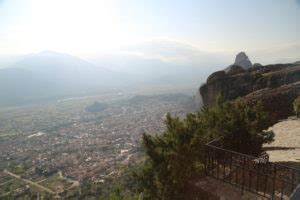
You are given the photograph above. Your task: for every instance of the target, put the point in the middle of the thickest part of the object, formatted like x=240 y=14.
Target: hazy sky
x=83 y=27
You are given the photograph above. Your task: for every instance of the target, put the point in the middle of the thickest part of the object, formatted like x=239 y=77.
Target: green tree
x=243 y=125
x=116 y=195
x=176 y=157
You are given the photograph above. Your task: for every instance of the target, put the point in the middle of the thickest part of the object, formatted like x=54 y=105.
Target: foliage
x=296 y=106
x=44 y=170
x=243 y=125
x=116 y=195
x=176 y=156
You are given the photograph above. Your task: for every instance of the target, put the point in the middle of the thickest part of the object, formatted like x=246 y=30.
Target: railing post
x=218 y=163
x=243 y=181
x=274 y=182
x=293 y=180
x=224 y=166
x=257 y=181
x=230 y=167
x=250 y=180
x=205 y=157
x=266 y=183
x=282 y=186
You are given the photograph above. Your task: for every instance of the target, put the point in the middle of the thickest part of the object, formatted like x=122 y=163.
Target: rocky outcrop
x=278 y=101
x=241 y=60
x=275 y=85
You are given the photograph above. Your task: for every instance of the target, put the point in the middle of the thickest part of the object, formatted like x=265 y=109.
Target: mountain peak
x=241 y=56
x=242 y=60
x=48 y=52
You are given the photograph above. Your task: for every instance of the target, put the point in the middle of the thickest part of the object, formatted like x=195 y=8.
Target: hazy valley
x=149 y=100
x=41 y=140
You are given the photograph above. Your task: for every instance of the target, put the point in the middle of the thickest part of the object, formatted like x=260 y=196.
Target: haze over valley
x=113 y=99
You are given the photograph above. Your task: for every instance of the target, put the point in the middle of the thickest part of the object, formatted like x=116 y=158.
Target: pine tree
x=176 y=157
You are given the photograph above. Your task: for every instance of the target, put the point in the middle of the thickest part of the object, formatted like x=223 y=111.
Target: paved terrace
x=286 y=146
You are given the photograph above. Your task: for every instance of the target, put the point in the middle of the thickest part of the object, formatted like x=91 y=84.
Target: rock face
x=275 y=85
x=277 y=101
x=241 y=60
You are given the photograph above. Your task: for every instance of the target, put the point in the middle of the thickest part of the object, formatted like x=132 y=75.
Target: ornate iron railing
x=253 y=174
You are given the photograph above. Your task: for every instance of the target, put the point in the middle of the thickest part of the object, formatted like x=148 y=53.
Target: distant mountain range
x=51 y=75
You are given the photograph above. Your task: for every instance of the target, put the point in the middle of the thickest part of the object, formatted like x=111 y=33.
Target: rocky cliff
x=275 y=85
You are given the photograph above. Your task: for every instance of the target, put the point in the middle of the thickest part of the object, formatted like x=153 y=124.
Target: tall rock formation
x=275 y=85
x=241 y=60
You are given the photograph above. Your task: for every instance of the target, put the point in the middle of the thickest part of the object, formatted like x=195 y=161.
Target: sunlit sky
x=83 y=27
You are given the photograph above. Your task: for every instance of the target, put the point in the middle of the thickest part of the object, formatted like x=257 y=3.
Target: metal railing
x=253 y=174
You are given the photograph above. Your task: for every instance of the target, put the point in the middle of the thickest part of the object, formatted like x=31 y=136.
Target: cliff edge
x=276 y=85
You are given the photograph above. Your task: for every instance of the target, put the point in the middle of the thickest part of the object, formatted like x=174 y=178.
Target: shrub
x=296 y=106
x=176 y=157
